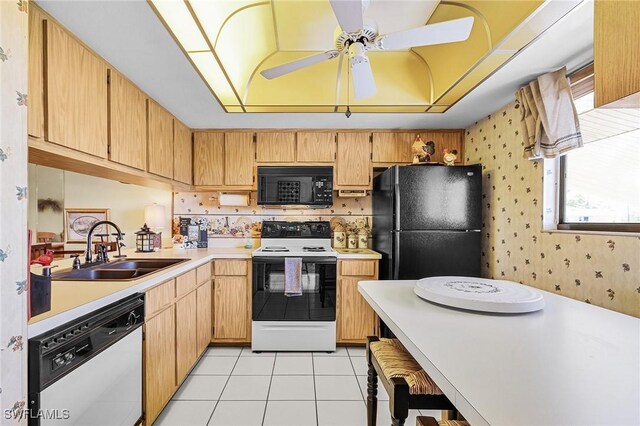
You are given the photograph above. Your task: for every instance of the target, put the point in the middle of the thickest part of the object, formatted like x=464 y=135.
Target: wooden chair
x=408 y=385
x=430 y=421
x=46 y=237
x=111 y=246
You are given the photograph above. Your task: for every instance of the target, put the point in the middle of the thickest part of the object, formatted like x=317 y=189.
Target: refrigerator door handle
x=396 y=207
x=396 y=255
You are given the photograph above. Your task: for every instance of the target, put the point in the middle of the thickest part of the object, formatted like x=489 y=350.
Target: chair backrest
x=38 y=250
x=46 y=237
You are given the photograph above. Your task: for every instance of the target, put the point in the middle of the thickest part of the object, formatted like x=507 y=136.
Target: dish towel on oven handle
x=292 y=276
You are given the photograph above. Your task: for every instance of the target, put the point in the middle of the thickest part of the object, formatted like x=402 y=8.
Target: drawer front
x=186 y=283
x=159 y=297
x=203 y=273
x=360 y=268
x=230 y=267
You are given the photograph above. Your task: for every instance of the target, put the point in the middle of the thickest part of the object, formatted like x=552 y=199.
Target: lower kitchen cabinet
x=159 y=362
x=355 y=318
x=186 y=335
x=232 y=301
x=203 y=316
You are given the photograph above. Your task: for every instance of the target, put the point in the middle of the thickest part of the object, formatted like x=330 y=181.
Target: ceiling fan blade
x=363 y=83
x=442 y=32
x=300 y=63
x=349 y=14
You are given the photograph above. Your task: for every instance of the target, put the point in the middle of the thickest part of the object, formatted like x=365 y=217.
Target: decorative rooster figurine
x=45 y=259
x=449 y=157
x=422 y=152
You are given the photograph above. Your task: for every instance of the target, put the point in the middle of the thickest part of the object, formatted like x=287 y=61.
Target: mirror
x=46 y=205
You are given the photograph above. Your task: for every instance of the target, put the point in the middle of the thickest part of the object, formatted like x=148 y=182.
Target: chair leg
x=372 y=396
x=397 y=422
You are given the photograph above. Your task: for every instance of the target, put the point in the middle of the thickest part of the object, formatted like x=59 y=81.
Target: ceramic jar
x=353 y=241
x=363 y=239
x=339 y=237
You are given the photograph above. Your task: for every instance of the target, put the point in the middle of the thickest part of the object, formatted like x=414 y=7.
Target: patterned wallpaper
x=598 y=269
x=243 y=222
x=13 y=210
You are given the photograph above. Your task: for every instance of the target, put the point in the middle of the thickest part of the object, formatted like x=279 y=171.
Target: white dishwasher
x=89 y=371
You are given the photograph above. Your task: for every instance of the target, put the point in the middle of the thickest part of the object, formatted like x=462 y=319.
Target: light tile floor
x=235 y=387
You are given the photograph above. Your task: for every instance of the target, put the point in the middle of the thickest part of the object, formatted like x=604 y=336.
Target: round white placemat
x=480 y=294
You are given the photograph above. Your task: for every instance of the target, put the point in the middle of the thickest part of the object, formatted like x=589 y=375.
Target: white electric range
x=294 y=323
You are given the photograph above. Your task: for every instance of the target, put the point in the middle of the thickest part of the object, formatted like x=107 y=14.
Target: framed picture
x=78 y=222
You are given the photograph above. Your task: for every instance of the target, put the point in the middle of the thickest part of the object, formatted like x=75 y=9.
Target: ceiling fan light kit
x=358 y=35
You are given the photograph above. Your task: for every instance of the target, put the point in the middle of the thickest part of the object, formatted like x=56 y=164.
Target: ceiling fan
x=359 y=36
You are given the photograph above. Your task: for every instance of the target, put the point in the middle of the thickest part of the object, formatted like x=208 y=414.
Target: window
x=600 y=182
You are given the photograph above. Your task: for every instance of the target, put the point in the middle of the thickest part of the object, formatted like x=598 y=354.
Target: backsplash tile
x=597 y=269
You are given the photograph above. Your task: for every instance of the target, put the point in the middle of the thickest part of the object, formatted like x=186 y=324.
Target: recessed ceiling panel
x=230 y=42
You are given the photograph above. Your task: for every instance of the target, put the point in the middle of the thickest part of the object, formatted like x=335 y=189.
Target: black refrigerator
x=427 y=220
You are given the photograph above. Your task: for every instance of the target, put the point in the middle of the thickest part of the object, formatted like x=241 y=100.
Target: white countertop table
x=569 y=364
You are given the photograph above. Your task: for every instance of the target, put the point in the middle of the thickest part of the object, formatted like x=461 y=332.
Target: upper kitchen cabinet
x=208 y=159
x=353 y=162
x=238 y=159
x=446 y=139
x=276 y=147
x=392 y=147
x=316 y=147
x=160 y=142
x=182 y=153
x=127 y=122
x=35 y=106
x=76 y=93
x=616 y=49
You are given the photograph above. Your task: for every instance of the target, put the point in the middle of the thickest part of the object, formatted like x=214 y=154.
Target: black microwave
x=306 y=186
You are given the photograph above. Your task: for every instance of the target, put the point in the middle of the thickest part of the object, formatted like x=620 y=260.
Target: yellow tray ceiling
x=230 y=42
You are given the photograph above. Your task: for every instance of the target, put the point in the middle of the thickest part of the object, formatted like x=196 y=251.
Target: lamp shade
x=155 y=216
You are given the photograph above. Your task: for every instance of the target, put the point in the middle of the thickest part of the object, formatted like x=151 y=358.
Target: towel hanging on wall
x=548 y=117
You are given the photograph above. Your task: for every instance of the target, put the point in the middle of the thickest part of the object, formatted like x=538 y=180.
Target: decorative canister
x=339 y=237
x=363 y=239
x=353 y=241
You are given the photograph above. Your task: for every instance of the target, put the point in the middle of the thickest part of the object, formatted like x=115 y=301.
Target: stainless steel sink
x=120 y=270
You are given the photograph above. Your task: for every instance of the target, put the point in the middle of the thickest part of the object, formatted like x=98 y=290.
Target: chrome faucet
x=88 y=256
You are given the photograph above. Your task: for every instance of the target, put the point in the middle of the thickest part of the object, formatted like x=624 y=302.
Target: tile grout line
x=315 y=393
x=273 y=369
x=223 y=388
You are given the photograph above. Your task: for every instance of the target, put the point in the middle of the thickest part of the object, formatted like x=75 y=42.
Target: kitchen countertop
x=357 y=254
x=571 y=363
x=72 y=299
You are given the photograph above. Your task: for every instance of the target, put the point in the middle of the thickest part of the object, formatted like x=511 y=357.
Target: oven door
x=318 y=300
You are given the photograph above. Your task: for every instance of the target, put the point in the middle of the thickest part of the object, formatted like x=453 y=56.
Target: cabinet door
x=128 y=122
x=357 y=319
x=159 y=362
x=160 y=148
x=182 y=163
x=392 y=147
x=276 y=147
x=203 y=316
x=35 y=106
x=208 y=159
x=353 y=164
x=316 y=147
x=449 y=140
x=238 y=159
x=76 y=85
x=231 y=308
x=186 y=337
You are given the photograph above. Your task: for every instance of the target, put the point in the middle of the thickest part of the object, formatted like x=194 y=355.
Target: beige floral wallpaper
x=598 y=269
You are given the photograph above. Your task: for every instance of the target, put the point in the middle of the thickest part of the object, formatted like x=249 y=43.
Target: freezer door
x=422 y=254
x=438 y=198
x=383 y=194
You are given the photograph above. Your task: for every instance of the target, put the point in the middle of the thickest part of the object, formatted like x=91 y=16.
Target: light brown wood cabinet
x=182 y=153
x=76 y=94
x=238 y=159
x=232 y=301
x=276 y=147
x=160 y=142
x=208 y=159
x=35 y=105
x=159 y=362
x=392 y=147
x=316 y=147
x=450 y=140
x=204 y=319
x=616 y=53
x=353 y=163
x=186 y=335
x=355 y=318
x=127 y=122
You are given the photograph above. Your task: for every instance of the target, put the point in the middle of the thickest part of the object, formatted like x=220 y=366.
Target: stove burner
x=314 y=249
x=275 y=249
